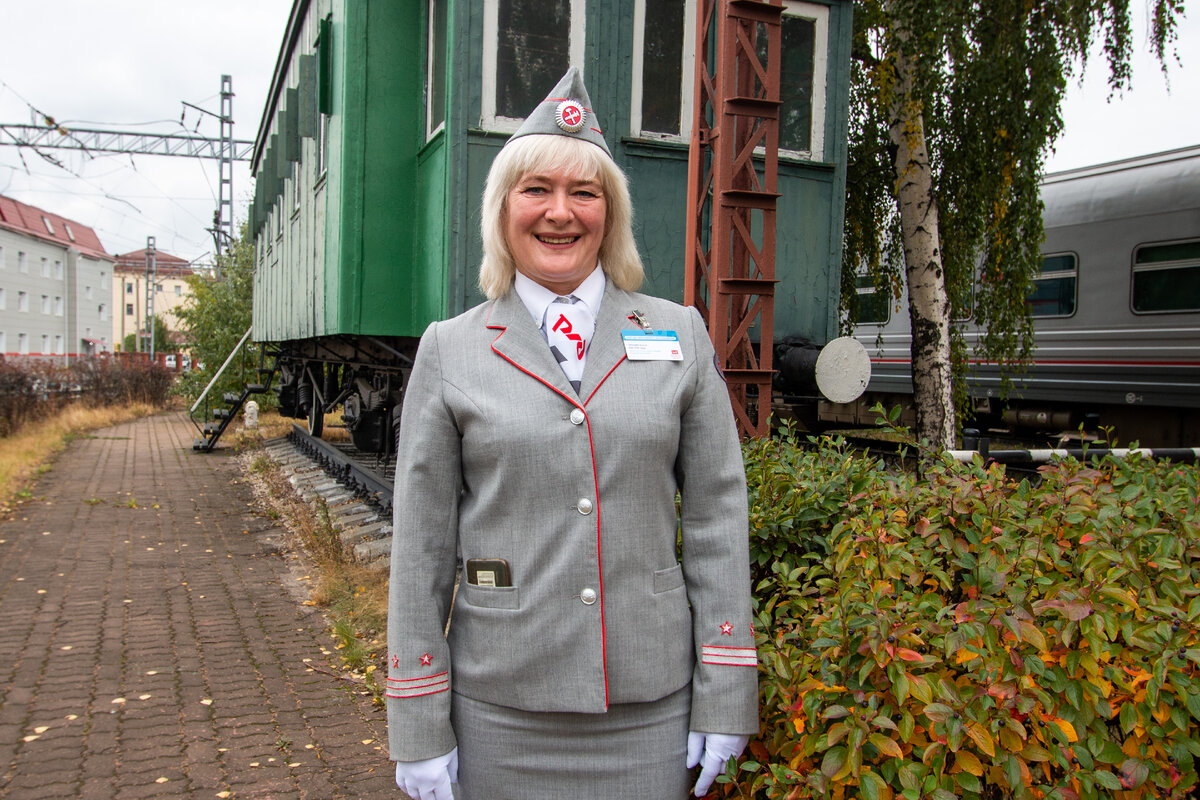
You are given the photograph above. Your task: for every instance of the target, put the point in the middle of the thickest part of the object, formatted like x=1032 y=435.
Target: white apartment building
x=55 y=286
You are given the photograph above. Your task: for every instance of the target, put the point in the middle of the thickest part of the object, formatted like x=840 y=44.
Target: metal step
x=232 y=398
x=222 y=413
x=210 y=428
x=255 y=388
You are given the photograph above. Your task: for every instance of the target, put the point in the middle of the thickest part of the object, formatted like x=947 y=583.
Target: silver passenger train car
x=1116 y=312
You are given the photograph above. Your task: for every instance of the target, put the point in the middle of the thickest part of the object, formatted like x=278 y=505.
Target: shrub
x=32 y=390
x=967 y=634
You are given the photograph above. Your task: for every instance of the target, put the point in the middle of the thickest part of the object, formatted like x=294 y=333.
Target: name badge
x=652 y=345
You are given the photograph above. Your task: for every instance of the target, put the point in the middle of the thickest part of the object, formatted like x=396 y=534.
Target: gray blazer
x=500 y=458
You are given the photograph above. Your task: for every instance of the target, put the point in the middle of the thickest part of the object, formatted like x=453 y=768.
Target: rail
x=354 y=476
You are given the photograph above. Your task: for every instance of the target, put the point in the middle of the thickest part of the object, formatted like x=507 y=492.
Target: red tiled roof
x=30 y=220
x=165 y=263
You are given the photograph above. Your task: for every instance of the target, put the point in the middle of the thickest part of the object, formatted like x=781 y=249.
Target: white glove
x=717 y=748
x=429 y=779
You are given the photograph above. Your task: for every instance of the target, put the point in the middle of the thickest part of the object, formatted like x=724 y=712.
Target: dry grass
x=272 y=426
x=354 y=596
x=28 y=452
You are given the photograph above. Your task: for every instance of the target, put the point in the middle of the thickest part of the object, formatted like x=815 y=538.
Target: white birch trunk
x=928 y=303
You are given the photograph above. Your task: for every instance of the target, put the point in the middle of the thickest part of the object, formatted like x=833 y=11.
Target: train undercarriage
x=363 y=375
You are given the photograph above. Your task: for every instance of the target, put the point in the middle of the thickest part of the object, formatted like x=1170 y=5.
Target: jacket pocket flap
x=491 y=596
x=668 y=579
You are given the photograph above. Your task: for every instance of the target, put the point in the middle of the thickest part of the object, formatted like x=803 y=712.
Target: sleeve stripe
x=730 y=661
x=726 y=656
x=410 y=680
x=420 y=690
x=708 y=648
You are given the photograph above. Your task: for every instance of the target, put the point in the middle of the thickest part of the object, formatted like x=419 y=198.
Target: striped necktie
x=569 y=327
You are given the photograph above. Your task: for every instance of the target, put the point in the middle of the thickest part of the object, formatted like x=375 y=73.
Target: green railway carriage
x=383 y=118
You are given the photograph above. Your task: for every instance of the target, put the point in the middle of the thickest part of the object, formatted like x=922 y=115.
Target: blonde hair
x=574 y=157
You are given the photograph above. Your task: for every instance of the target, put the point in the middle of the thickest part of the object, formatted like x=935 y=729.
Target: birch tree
x=955 y=105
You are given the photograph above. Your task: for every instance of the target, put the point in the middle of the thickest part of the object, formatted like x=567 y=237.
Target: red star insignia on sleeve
x=395 y=661
x=727 y=629
x=426 y=660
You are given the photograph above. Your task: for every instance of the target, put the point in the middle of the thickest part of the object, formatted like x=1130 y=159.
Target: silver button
x=584 y=506
x=577 y=416
x=588 y=596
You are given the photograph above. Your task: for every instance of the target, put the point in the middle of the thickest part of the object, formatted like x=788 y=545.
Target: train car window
x=435 y=73
x=1166 y=277
x=324 y=45
x=1053 y=292
x=295 y=186
x=664 y=58
x=802 y=79
x=528 y=46
x=874 y=305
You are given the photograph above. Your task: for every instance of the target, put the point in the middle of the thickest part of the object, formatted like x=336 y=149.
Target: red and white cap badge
x=570 y=116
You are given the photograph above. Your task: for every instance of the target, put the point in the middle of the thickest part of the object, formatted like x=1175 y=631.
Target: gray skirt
x=634 y=751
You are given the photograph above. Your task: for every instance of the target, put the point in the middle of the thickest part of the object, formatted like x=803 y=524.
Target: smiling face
x=554 y=224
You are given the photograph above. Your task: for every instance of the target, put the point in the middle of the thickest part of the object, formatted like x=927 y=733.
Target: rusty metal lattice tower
x=733 y=169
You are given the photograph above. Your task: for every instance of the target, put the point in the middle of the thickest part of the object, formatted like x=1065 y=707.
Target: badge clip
x=640 y=319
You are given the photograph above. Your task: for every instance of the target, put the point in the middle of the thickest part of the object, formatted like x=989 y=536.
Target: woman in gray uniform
x=600 y=646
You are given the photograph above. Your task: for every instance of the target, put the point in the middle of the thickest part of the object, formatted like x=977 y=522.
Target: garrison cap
x=566 y=111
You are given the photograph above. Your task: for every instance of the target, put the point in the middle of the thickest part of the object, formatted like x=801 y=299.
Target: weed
x=355 y=596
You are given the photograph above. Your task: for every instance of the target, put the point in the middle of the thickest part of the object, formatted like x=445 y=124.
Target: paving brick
x=162 y=608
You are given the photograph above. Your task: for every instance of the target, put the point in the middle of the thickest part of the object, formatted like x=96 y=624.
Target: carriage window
x=802 y=79
x=324 y=47
x=435 y=74
x=1053 y=292
x=528 y=46
x=664 y=49
x=874 y=305
x=1166 y=277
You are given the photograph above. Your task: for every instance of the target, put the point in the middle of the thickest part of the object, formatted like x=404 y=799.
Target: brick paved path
x=149 y=646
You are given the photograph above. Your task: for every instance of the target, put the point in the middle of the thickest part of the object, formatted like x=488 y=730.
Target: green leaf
x=968 y=781
x=1107 y=780
x=907 y=724
x=872 y=786
x=938 y=712
x=1012 y=772
x=1128 y=717
x=885 y=723
x=834 y=760
x=835 y=712
x=1193 y=704
x=1109 y=753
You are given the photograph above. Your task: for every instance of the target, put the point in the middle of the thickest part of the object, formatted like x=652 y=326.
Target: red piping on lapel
x=601 y=383
x=596 y=483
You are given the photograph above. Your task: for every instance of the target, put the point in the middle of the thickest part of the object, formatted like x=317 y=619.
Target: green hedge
x=963 y=633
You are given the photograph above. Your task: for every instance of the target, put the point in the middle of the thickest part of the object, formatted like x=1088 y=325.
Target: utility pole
x=223 y=235
x=151 y=280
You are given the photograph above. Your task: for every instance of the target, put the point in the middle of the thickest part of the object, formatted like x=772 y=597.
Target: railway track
x=355 y=487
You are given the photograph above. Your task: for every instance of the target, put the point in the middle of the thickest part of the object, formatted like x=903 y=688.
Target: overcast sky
x=128 y=64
